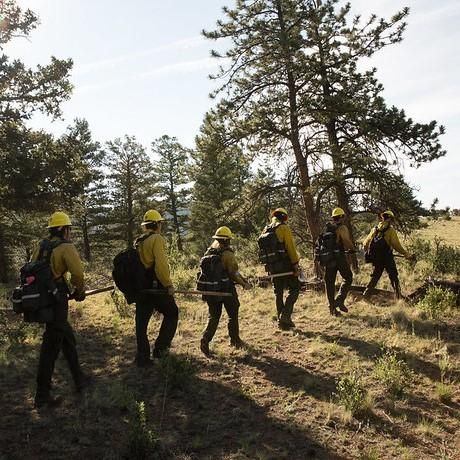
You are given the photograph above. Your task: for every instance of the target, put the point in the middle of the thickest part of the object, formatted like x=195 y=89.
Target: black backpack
x=378 y=248
x=327 y=249
x=272 y=252
x=212 y=275
x=38 y=293
x=130 y=275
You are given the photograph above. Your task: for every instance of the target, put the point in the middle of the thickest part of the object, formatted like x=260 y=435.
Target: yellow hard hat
x=223 y=233
x=152 y=216
x=337 y=212
x=279 y=210
x=388 y=213
x=59 y=219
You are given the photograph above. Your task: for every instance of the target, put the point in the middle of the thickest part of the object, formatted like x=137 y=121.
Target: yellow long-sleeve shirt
x=152 y=252
x=284 y=235
x=65 y=258
x=391 y=237
x=344 y=238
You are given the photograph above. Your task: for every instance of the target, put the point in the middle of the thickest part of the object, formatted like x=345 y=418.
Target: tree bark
x=4 y=275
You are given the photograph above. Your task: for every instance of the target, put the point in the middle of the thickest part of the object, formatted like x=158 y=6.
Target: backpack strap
x=47 y=247
x=142 y=238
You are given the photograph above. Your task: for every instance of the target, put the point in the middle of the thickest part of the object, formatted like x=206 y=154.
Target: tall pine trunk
x=305 y=182
x=334 y=145
x=86 y=244
x=3 y=256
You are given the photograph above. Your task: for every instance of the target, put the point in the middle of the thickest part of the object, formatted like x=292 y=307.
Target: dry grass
x=272 y=400
x=447 y=230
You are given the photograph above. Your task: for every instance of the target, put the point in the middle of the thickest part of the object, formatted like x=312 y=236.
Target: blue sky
x=140 y=68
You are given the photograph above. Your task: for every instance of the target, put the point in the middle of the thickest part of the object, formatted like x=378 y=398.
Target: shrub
x=142 y=442
x=351 y=394
x=177 y=371
x=444 y=392
x=123 y=309
x=393 y=373
x=437 y=301
x=445 y=259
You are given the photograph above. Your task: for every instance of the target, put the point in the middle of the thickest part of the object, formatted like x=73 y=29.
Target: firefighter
x=222 y=262
x=58 y=333
x=379 y=246
x=278 y=239
x=339 y=264
x=152 y=252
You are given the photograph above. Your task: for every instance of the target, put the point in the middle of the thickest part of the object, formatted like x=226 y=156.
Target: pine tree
x=293 y=85
x=171 y=172
x=130 y=182
x=89 y=207
x=23 y=91
x=219 y=172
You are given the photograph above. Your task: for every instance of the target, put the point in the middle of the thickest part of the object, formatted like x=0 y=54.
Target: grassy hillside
x=447 y=230
x=378 y=383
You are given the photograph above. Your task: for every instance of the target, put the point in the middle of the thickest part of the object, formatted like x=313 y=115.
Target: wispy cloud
x=169 y=69
x=180 y=68
x=103 y=64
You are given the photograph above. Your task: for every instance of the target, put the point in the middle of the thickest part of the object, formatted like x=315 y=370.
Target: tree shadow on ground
x=295 y=378
x=427 y=329
x=373 y=350
x=195 y=417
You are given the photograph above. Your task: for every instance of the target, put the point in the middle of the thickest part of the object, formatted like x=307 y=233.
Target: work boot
x=47 y=401
x=340 y=305
x=237 y=343
x=333 y=311
x=204 y=347
x=285 y=324
x=158 y=354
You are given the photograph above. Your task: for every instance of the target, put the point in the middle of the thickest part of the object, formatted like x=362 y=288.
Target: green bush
x=142 y=442
x=437 y=302
x=184 y=278
x=177 y=371
x=445 y=259
x=123 y=309
x=351 y=394
x=393 y=373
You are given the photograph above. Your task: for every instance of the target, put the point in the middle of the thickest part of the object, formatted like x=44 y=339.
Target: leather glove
x=79 y=296
x=296 y=270
x=247 y=286
x=170 y=290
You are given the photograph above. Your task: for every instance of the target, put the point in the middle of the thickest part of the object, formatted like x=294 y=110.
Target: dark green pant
x=389 y=265
x=284 y=308
x=231 y=305
x=145 y=305
x=58 y=336
x=341 y=266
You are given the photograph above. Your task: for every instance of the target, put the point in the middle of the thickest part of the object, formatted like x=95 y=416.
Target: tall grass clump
x=142 y=442
x=445 y=259
x=351 y=394
x=177 y=371
x=393 y=373
x=121 y=306
x=437 y=302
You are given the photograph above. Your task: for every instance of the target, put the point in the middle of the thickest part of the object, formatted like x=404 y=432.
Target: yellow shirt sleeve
x=72 y=263
x=152 y=251
x=65 y=258
x=344 y=238
x=391 y=237
x=284 y=234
